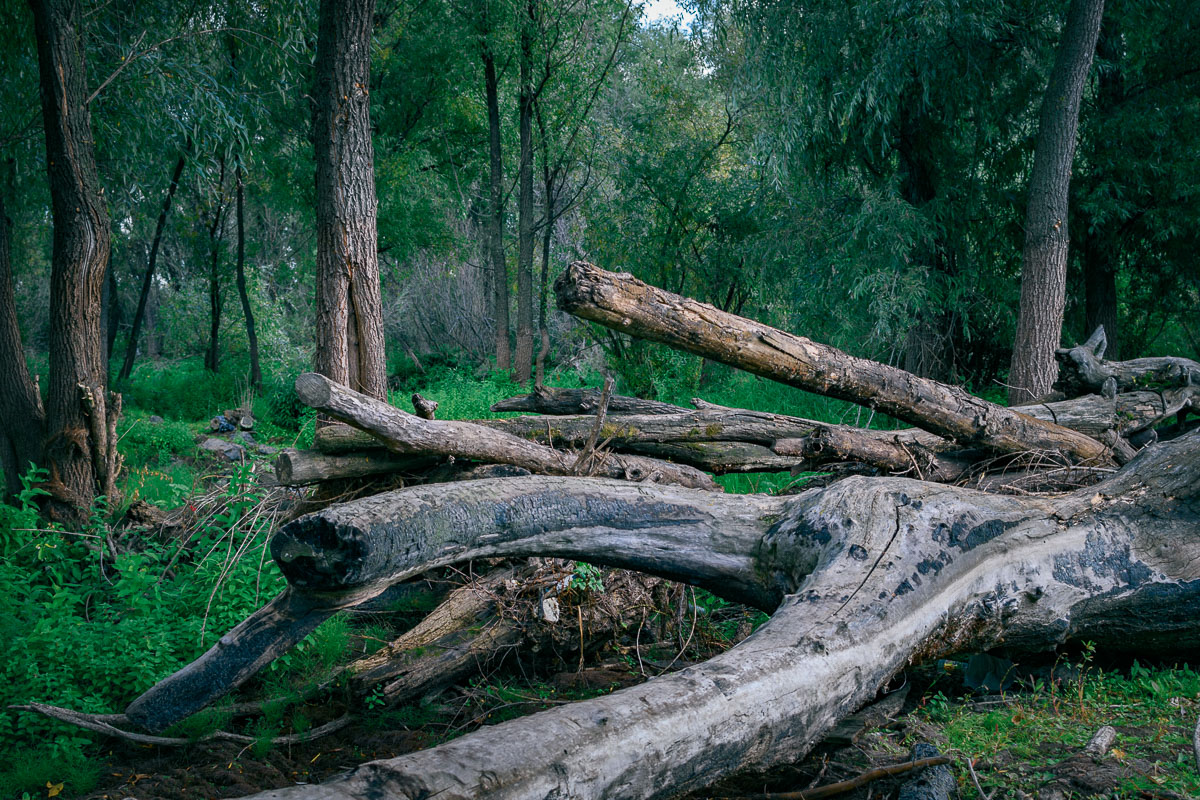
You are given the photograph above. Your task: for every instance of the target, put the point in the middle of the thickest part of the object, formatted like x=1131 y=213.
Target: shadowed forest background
x=857 y=173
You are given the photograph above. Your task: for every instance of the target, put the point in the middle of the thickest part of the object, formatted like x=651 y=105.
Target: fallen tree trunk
x=551 y=400
x=865 y=576
x=1082 y=369
x=624 y=303
x=306 y=467
x=409 y=434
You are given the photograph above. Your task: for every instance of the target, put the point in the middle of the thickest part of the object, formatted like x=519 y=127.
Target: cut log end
x=314 y=389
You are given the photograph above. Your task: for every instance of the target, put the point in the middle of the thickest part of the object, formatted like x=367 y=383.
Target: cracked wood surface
x=622 y=302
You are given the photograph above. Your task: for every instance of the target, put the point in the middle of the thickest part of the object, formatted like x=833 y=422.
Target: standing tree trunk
x=549 y=200
x=1044 y=256
x=148 y=279
x=212 y=358
x=496 y=211
x=524 y=353
x=247 y=311
x=81 y=448
x=22 y=420
x=350 y=348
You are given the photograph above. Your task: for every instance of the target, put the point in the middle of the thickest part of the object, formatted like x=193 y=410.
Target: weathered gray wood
x=409 y=434
x=624 y=303
x=551 y=400
x=874 y=574
x=1082 y=369
x=306 y=467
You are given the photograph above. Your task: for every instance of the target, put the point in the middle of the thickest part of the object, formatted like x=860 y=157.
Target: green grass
x=1153 y=709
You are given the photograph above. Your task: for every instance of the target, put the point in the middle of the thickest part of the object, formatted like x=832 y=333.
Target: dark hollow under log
x=622 y=302
x=866 y=576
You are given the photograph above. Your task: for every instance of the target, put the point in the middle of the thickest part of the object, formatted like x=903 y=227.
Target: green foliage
x=182 y=390
x=587 y=577
x=144 y=442
x=88 y=633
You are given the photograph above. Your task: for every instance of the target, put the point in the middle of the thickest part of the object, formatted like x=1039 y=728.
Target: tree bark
x=1084 y=369
x=305 y=467
x=409 y=434
x=1044 y=255
x=212 y=357
x=865 y=577
x=626 y=304
x=524 y=350
x=247 y=311
x=496 y=197
x=350 y=346
x=21 y=412
x=80 y=452
x=151 y=265
x=552 y=400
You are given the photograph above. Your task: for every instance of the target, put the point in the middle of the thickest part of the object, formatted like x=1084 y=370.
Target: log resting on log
x=622 y=302
x=1082 y=369
x=551 y=400
x=306 y=467
x=409 y=434
x=866 y=576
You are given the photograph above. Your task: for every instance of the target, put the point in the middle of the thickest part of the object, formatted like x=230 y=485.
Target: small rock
x=548 y=609
x=266 y=450
x=228 y=450
x=244 y=438
x=155 y=419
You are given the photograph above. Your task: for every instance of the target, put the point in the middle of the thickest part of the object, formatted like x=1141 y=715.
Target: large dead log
x=409 y=434
x=866 y=576
x=624 y=303
x=1082 y=369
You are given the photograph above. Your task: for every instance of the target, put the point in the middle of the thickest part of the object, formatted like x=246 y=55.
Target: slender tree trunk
x=524 y=353
x=1099 y=268
x=151 y=264
x=112 y=315
x=80 y=413
x=350 y=346
x=247 y=311
x=22 y=421
x=1044 y=256
x=496 y=212
x=548 y=218
x=212 y=359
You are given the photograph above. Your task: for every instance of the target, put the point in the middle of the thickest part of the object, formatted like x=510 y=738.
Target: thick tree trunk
x=626 y=304
x=350 y=346
x=22 y=420
x=524 y=350
x=409 y=434
x=496 y=204
x=1044 y=255
x=865 y=577
x=306 y=467
x=151 y=265
x=80 y=413
x=247 y=311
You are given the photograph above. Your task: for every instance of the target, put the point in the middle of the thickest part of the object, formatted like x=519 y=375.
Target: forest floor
x=89 y=634
x=1019 y=742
